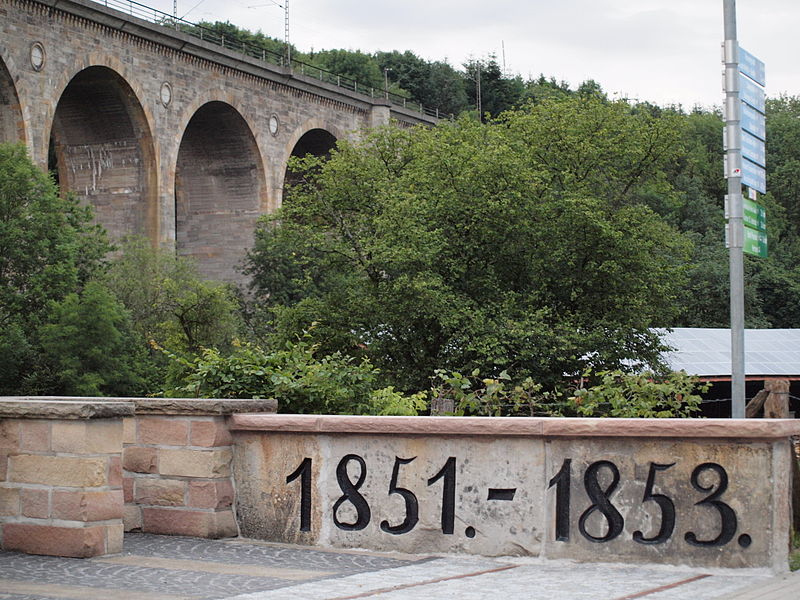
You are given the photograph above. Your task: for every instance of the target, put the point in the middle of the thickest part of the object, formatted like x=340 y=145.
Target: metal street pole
x=735 y=208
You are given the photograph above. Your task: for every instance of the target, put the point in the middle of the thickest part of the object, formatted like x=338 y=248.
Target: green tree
x=357 y=65
x=169 y=302
x=48 y=249
x=235 y=36
x=89 y=348
x=48 y=246
x=498 y=92
x=520 y=246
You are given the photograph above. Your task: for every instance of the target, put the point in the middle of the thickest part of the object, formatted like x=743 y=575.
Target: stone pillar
x=61 y=477
x=379 y=114
x=177 y=466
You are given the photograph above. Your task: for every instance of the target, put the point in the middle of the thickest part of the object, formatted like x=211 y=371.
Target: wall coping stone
x=70 y=407
x=203 y=406
x=21 y=407
x=520 y=426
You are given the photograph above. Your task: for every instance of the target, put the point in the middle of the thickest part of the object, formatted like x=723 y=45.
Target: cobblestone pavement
x=172 y=568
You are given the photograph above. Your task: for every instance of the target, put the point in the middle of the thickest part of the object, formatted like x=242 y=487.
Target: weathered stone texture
x=194 y=463
x=76 y=542
x=268 y=505
x=166 y=431
x=87 y=437
x=689 y=492
x=58 y=470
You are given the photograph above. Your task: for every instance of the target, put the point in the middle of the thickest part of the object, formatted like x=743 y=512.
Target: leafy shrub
x=470 y=395
x=296 y=376
x=619 y=394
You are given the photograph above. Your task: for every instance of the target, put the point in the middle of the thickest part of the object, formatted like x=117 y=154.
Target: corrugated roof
x=707 y=352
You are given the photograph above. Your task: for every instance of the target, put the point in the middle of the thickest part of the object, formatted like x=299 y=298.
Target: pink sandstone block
x=211 y=494
x=132 y=517
x=115 y=471
x=87 y=506
x=9 y=502
x=63 y=471
x=193 y=523
x=9 y=434
x=210 y=433
x=140 y=460
x=34 y=436
x=519 y=426
x=207 y=464
x=114 y=538
x=129 y=430
x=35 y=503
x=96 y=436
x=127 y=489
x=75 y=542
x=3 y=465
x=165 y=431
x=160 y=492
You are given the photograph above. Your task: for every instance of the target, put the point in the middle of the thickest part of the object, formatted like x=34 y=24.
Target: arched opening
x=315 y=141
x=11 y=123
x=219 y=184
x=102 y=151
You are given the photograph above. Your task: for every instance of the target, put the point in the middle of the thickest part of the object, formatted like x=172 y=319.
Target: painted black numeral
x=412 y=505
x=601 y=502
x=727 y=515
x=351 y=494
x=562 y=481
x=666 y=505
x=304 y=473
x=448 y=472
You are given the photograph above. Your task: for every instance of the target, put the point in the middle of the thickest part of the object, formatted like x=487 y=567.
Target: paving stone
x=170 y=567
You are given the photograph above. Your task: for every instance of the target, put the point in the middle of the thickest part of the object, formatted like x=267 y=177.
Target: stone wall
x=61 y=479
x=75 y=472
x=177 y=467
x=705 y=492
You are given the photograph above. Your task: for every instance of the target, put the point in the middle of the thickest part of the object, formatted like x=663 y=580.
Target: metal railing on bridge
x=212 y=36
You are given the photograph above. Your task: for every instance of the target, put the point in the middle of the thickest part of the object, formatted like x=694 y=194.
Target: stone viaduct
x=164 y=134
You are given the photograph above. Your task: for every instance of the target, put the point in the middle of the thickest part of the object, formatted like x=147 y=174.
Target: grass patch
x=794 y=555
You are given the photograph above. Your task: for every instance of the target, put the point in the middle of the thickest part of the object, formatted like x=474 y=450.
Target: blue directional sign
x=754 y=122
x=752 y=94
x=754 y=149
x=752 y=67
x=754 y=176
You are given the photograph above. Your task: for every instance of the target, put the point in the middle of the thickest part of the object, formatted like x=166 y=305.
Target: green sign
x=755 y=242
x=755 y=215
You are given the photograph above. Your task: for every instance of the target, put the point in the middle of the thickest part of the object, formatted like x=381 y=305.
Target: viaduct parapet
x=165 y=135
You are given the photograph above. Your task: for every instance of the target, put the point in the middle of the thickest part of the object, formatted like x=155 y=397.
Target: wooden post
x=776 y=405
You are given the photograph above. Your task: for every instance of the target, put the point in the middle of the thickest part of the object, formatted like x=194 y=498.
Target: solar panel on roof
x=706 y=351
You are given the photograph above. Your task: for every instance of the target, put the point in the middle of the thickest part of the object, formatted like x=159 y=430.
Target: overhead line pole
x=286 y=33
x=736 y=209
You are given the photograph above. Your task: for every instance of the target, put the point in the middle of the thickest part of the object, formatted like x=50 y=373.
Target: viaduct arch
x=220 y=188
x=102 y=148
x=12 y=126
x=166 y=135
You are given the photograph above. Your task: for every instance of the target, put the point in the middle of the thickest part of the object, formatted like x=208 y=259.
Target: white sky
x=665 y=51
